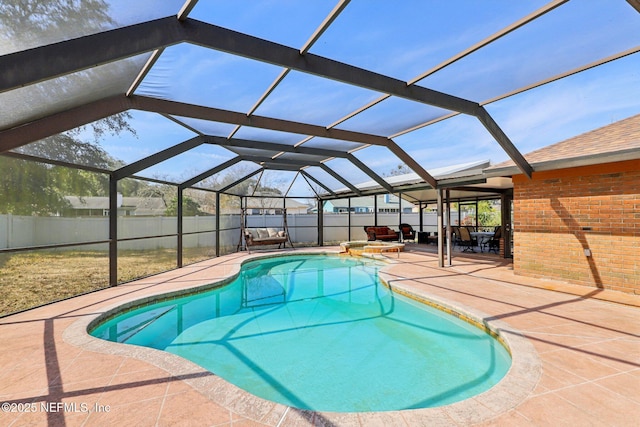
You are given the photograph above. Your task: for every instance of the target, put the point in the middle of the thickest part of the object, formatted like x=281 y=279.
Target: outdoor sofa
x=380 y=233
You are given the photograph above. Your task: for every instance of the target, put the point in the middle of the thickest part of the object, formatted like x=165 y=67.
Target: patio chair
x=494 y=241
x=455 y=235
x=466 y=242
x=408 y=233
x=471 y=229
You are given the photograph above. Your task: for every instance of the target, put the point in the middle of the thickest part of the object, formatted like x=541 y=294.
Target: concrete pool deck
x=587 y=342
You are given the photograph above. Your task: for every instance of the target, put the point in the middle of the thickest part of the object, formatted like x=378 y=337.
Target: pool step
x=143 y=325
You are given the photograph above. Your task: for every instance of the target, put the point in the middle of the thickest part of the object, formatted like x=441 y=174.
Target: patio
x=587 y=341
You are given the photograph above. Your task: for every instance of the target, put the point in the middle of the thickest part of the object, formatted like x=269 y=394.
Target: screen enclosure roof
x=332 y=98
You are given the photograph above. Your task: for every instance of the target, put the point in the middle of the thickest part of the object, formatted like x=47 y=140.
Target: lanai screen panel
x=306 y=98
x=50 y=96
x=323 y=177
x=144 y=135
x=205 y=127
x=295 y=158
x=301 y=188
x=404 y=40
x=231 y=175
x=25 y=25
x=347 y=171
x=571 y=36
x=571 y=106
x=332 y=144
x=391 y=116
x=267 y=135
x=253 y=152
x=380 y=160
x=198 y=75
x=189 y=164
x=456 y=140
x=288 y=22
x=274 y=182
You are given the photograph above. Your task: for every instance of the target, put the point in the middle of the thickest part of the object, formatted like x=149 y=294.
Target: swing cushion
x=262 y=236
x=272 y=232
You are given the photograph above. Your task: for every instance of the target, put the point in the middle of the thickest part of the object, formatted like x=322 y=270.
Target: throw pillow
x=272 y=232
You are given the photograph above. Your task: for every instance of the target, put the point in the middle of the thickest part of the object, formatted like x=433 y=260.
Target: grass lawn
x=29 y=279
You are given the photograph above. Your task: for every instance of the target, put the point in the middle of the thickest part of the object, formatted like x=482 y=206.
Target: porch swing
x=263 y=236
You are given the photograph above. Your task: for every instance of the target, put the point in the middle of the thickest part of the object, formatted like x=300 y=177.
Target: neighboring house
x=127 y=206
x=578 y=218
x=273 y=206
x=388 y=203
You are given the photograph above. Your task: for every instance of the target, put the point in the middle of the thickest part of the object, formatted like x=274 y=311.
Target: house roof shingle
x=597 y=146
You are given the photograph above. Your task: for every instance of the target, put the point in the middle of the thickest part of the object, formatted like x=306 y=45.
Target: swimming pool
x=322 y=333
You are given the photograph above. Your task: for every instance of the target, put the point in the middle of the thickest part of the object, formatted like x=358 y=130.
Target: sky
x=400 y=39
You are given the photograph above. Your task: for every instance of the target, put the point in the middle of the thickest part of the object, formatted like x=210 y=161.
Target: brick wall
x=558 y=215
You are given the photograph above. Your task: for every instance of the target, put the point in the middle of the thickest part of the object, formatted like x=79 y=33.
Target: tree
x=68 y=148
x=189 y=207
x=400 y=169
x=266 y=185
x=488 y=215
x=27 y=22
x=25 y=188
x=33 y=188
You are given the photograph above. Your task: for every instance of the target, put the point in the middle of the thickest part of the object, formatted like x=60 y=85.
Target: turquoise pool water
x=321 y=333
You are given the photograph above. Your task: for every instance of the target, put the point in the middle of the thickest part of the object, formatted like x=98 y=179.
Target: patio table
x=483 y=238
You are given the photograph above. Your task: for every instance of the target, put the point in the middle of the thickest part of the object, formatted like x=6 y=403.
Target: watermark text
x=51 y=407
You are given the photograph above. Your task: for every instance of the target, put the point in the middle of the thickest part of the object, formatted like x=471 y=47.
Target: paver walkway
x=587 y=345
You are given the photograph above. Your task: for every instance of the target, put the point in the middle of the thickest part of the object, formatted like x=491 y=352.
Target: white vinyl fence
x=27 y=231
